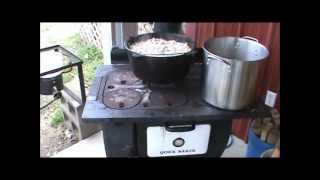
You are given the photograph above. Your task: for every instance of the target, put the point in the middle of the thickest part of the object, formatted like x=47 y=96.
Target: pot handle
x=195 y=55
x=250 y=38
x=218 y=59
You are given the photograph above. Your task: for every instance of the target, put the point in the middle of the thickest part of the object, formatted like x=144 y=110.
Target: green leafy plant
x=73 y=42
x=57 y=118
x=68 y=76
x=88 y=53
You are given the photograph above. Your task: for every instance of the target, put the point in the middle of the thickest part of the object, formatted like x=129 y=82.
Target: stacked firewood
x=268 y=130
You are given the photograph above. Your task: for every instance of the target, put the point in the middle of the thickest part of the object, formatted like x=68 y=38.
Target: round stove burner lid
x=122 y=77
x=122 y=99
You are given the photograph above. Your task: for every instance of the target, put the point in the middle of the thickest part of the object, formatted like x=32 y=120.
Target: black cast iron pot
x=161 y=69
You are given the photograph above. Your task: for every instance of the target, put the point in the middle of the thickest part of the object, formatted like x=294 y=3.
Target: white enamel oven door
x=163 y=142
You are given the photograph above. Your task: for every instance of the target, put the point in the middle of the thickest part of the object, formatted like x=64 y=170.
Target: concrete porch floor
x=93 y=147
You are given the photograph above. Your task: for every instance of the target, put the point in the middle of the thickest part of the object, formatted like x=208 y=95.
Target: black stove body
x=142 y=119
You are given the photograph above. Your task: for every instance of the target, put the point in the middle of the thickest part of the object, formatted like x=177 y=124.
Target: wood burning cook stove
x=141 y=119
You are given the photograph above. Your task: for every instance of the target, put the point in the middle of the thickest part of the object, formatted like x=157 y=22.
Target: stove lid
x=121 y=99
x=123 y=77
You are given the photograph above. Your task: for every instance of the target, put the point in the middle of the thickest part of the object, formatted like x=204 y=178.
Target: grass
x=91 y=56
x=57 y=118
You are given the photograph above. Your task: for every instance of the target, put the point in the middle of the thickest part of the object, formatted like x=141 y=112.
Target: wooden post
x=106 y=40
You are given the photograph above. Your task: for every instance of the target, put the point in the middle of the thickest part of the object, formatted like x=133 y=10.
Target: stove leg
x=119 y=139
x=148 y=83
x=222 y=131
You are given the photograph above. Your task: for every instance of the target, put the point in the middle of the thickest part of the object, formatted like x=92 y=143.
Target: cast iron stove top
x=117 y=95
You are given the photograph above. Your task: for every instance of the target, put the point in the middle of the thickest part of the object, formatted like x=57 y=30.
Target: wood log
x=276 y=153
x=278 y=144
x=256 y=126
x=265 y=130
x=266 y=120
x=275 y=113
x=275 y=117
x=277 y=122
x=273 y=135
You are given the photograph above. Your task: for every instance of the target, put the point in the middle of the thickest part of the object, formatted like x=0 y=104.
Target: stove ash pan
x=134 y=140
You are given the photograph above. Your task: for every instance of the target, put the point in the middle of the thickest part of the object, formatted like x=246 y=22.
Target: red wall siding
x=228 y=29
x=268 y=34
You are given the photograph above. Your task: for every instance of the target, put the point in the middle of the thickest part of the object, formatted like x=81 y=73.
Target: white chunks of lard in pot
x=157 y=46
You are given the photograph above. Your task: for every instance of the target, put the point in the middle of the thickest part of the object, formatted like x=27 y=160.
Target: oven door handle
x=180 y=128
